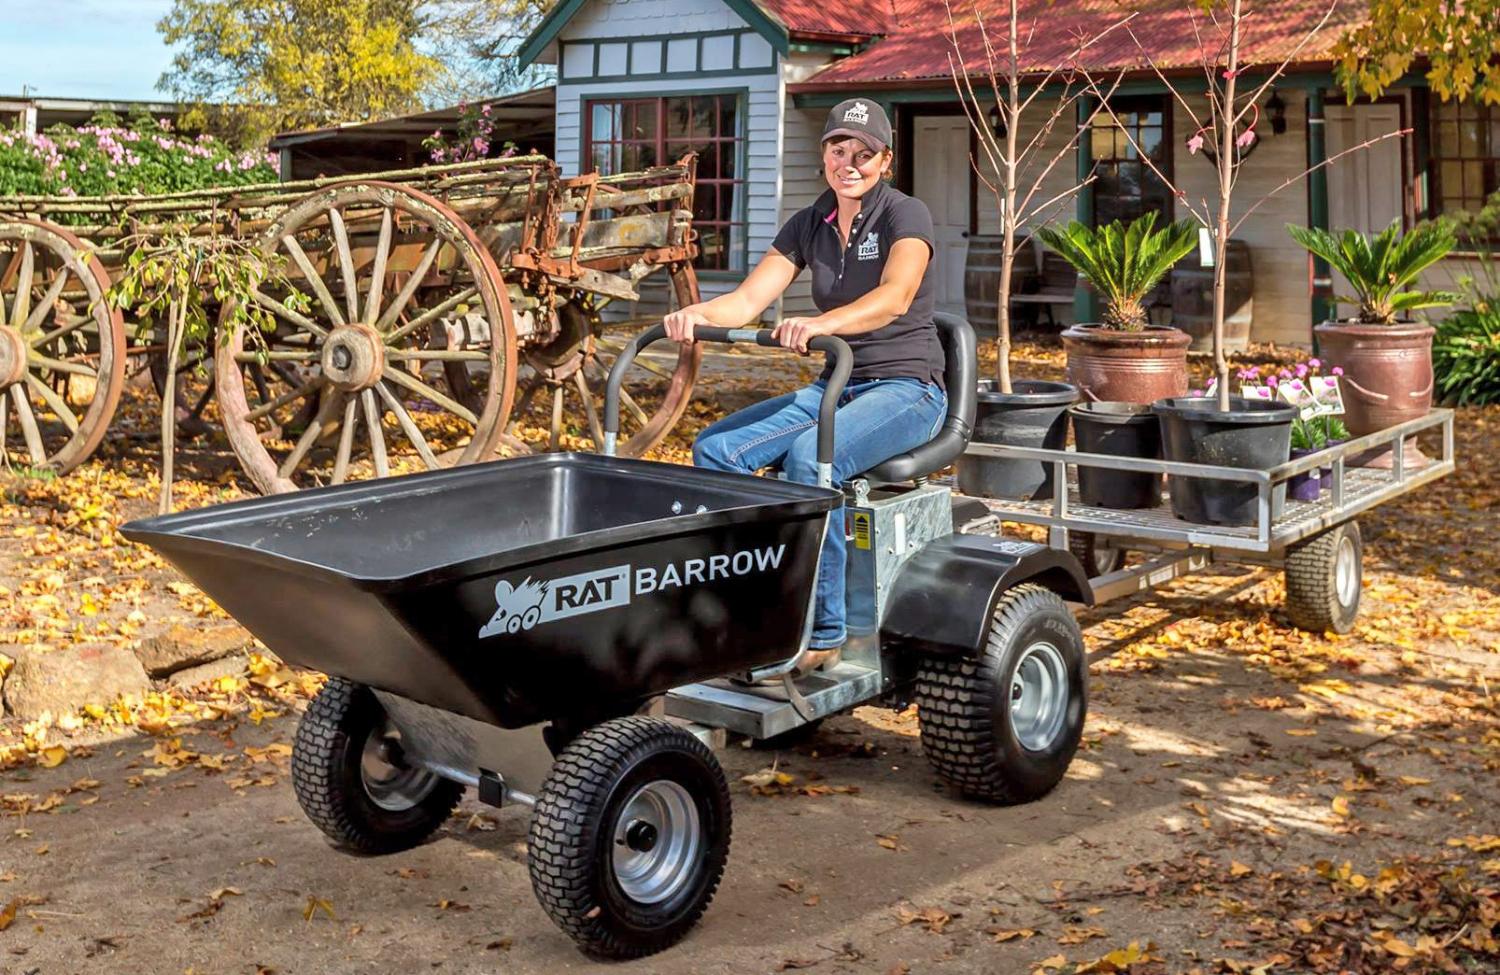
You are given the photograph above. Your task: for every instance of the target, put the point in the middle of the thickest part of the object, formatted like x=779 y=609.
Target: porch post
x=1085 y=301
x=1317 y=206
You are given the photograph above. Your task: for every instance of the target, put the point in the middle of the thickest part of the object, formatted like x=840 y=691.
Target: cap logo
x=858 y=112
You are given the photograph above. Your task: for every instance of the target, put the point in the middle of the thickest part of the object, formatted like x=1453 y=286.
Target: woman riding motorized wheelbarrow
x=870 y=249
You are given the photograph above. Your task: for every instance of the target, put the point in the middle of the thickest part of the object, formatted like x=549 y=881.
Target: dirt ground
x=1249 y=798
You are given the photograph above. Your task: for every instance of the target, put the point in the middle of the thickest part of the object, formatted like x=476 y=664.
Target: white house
x=747 y=84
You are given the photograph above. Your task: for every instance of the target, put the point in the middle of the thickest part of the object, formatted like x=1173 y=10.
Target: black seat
x=959 y=375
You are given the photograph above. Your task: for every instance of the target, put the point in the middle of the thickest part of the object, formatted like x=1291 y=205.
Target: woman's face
x=852 y=168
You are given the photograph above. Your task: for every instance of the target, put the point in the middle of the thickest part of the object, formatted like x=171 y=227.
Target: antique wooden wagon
x=448 y=314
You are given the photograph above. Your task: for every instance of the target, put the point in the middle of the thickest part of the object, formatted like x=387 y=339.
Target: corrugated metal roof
x=1171 y=33
x=822 y=17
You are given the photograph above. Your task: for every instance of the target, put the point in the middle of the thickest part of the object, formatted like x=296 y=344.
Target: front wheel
x=349 y=778
x=1324 y=580
x=629 y=836
x=1003 y=726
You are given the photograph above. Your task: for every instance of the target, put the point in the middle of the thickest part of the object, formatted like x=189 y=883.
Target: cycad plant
x=1380 y=267
x=1123 y=263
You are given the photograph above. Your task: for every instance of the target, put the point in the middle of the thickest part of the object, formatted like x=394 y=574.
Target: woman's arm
x=761 y=286
x=877 y=308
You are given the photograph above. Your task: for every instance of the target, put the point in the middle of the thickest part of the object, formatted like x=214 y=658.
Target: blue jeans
x=876 y=420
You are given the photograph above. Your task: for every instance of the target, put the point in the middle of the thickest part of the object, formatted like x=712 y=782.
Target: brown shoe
x=818 y=660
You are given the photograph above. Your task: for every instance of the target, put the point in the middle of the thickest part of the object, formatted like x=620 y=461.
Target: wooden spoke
x=635 y=409
x=304 y=443
x=29 y=428
x=415 y=385
x=430 y=315
x=346 y=261
x=4 y=429
x=59 y=365
x=346 y=442
x=49 y=300
x=408 y=426
x=277 y=355
x=54 y=402
x=282 y=311
x=554 y=431
x=404 y=296
x=596 y=430
x=319 y=286
x=377 y=272
x=377 y=436
x=299 y=392
x=72 y=324
x=21 y=308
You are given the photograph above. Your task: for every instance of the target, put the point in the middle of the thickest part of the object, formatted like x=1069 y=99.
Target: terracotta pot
x=1387 y=371
x=1112 y=366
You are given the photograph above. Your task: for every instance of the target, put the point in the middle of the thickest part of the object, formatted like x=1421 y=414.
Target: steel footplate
x=765 y=711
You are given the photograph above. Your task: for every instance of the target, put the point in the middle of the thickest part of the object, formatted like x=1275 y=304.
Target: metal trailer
x=443 y=303
x=579 y=632
x=1317 y=544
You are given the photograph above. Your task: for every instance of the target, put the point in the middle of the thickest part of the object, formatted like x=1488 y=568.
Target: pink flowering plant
x=474 y=138
x=107 y=156
x=1317 y=397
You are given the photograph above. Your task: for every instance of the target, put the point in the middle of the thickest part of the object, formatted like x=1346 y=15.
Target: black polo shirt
x=908 y=346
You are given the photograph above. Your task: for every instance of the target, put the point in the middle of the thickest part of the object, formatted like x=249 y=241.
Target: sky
x=83 y=48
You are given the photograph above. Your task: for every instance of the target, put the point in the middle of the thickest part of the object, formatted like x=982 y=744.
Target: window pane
x=605 y=115
x=1153 y=144
x=1468 y=139
x=1473 y=179
x=728 y=156
x=1451 y=177
x=729 y=122
x=679 y=116
x=1447 y=139
x=600 y=159
x=1104 y=140
x=703 y=116
x=643 y=120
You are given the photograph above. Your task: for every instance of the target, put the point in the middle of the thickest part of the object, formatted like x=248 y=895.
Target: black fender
x=945 y=594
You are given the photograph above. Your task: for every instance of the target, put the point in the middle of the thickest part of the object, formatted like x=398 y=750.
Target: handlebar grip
x=832 y=347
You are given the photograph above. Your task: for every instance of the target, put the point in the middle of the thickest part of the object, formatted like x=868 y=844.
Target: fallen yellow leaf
x=52 y=757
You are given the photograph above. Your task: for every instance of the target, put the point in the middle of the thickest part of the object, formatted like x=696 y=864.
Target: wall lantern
x=997 y=121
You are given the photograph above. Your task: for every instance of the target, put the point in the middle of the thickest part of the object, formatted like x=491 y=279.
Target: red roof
x=870 y=19
x=918 y=45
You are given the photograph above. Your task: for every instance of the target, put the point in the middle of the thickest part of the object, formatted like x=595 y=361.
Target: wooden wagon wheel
x=561 y=401
x=62 y=349
x=363 y=364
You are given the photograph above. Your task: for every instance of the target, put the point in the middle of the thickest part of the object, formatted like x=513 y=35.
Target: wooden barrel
x=1193 y=299
x=982 y=279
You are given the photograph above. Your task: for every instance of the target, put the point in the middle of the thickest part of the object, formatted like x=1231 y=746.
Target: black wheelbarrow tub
x=558 y=586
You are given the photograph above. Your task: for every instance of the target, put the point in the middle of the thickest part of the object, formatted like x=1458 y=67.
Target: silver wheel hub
x=1039 y=696
x=1346 y=572
x=658 y=839
x=391 y=784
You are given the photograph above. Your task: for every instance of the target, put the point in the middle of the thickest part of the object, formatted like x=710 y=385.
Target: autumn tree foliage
x=256 y=67
x=1457 y=41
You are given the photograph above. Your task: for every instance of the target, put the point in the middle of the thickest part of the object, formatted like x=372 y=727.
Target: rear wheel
x=1003 y=726
x=1098 y=554
x=348 y=775
x=1324 y=577
x=629 y=836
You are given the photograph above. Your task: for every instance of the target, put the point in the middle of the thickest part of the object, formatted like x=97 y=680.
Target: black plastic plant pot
x=1253 y=434
x=1034 y=415
x=1120 y=430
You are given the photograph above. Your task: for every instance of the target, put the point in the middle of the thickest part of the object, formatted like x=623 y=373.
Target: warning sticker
x=861 y=529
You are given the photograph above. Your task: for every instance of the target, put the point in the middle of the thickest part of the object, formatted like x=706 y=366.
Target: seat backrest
x=960 y=375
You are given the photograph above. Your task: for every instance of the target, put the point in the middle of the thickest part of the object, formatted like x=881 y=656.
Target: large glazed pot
x=1254 y=434
x=1112 y=366
x=1035 y=414
x=1387 y=371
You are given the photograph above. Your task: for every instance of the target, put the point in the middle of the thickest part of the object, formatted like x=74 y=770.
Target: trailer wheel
x=1324 y=579
x=1097 y=554
x=348 y=777
x=1003 y=726
x=629 y=836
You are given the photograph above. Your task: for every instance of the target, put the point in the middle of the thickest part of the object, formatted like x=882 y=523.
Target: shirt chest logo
x=869 y=248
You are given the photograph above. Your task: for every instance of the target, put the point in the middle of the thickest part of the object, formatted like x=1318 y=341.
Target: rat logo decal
x=516 y=607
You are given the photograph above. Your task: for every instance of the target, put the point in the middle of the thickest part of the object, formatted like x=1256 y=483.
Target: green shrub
x=106 y=156
x=1466 y=354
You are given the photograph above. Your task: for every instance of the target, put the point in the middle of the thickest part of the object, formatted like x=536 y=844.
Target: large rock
x=181 y=647
x=62 y=681
x=191 y=677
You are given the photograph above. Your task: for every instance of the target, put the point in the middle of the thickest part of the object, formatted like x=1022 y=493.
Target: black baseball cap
x=859 y=118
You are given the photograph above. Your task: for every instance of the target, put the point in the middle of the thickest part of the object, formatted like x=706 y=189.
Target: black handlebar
x=831 y=346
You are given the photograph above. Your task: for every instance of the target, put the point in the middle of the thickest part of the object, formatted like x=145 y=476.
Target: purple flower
x=1195 y=143
x=1301 y=372
x=1272 y=381
x=1315 y=363
x=1338 y=370
x=1195 y=392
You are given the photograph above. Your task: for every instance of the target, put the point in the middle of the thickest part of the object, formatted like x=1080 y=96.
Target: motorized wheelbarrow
x=576 y=633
